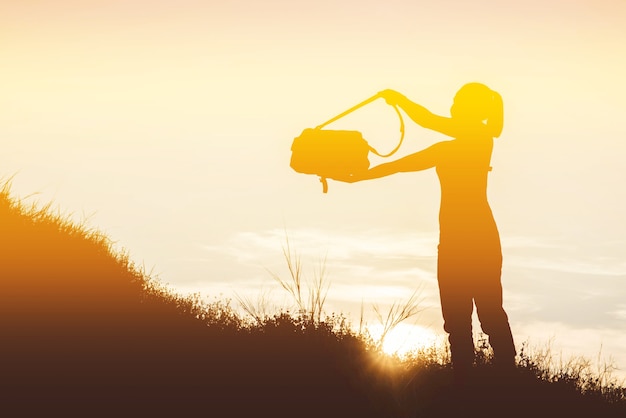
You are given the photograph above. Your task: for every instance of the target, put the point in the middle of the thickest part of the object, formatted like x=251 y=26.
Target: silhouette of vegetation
x=311 y=307
x=397 y=313
x=86 y=332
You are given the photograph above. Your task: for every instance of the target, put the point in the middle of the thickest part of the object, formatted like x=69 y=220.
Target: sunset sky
x=168 y=126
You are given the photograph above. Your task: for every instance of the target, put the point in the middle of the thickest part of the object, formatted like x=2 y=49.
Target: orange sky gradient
x=168 y=125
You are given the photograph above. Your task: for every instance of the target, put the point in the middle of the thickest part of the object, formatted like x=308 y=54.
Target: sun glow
x=404 y=338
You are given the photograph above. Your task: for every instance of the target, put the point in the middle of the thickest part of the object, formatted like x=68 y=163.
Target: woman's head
x=478 y=103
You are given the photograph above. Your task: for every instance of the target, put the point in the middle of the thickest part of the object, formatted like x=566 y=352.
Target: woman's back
x=465 y=215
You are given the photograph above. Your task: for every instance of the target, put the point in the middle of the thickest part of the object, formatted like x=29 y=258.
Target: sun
x=404 y=338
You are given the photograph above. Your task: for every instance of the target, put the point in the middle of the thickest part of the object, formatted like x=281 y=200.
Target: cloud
x=561 y=280
x=372 y=267
x=598 y=345
x=565 y=255
x=371 y=257
x=543 y=278
x=619 y=313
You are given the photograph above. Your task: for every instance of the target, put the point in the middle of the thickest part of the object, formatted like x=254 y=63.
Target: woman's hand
x=392 y=97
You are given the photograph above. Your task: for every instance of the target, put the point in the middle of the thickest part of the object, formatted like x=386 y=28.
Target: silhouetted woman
x=469 y=255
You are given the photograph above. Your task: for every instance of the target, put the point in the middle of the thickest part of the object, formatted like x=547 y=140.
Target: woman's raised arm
x=421 y=160
x=426 y=119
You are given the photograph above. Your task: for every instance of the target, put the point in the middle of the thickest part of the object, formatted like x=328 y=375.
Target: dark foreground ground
x=84 y=333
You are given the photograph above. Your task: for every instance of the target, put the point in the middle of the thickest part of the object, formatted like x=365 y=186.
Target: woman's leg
x=457 y=307
x=493 y=319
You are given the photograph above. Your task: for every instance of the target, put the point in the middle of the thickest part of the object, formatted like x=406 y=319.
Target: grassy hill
x=84 y=332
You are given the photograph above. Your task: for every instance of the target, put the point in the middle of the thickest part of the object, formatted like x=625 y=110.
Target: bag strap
x=358 y=106
x=352 y=109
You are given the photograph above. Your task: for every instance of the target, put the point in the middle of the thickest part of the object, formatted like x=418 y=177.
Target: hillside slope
x=83 y=332
x=82 y=327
